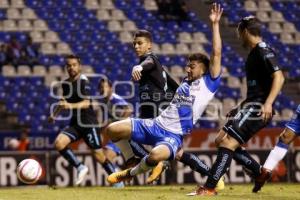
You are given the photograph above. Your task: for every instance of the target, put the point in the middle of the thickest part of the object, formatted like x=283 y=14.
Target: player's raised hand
x=215 y=13
x=136 y=73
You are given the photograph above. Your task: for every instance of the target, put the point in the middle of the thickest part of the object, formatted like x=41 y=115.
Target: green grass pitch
x=231 y=192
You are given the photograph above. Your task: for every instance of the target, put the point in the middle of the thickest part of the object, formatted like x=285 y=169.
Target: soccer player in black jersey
x=83 y=123
x=156 y=88
x=264 y=82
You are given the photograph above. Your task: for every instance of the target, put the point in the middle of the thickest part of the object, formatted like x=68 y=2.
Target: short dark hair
x=103 y=80
x=252 y=24
x=73 y=56
x=143 y=33
x=202 y=58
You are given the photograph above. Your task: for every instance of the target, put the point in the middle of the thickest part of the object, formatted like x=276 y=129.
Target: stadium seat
x=250 y=5
x=103 y=15
x=129 y=26
x=51 y=36
x=87 y=69
x=185 y=37
x=167 y=49
x=37 y=36
x=263 y=16
x=106 y=4
x=289 y=27
x=156 y=48
x=40 y=25
x=39 y=70
x=197 y=48
x=56 y=70
x=150 y=5
x=48 y=48
x=63 y=48
x=176 y=71
x=182 y=49
x=277 y=16
x=126 y=37
x=17 y=3
x=10 y=25
x=114 y=26
x=118 y=15
x=13 y=13
x=92 y=4
x=24 y=70
x=4 y=4
x=8 y=70
x=264 y=5
x=24 y=25
x=287 y=38
x=199 y=37
x=28 y=13
x=275 y=27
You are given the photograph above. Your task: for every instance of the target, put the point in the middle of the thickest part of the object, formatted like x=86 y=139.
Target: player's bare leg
x=61 y=144
x=157 y=154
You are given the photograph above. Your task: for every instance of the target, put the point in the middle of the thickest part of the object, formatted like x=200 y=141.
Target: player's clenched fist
x=136 y=73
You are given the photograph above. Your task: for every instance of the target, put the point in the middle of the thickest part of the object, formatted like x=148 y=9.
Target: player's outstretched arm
x=215 y=59
x=54 y=114
x=79 y=105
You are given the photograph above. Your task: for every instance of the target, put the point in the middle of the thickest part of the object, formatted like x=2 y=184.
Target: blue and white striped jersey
x=188 y=104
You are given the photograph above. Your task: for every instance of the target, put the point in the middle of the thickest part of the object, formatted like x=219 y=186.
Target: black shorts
x=91 y=136
x=148 y=111
x=152 y=109
x=244 y=123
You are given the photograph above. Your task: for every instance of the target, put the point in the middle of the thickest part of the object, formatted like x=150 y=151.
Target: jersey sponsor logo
x=270 y=55
x=148 y=122
x=170 y=140
x=183 y=100
x=221 y=167
x=251 y=83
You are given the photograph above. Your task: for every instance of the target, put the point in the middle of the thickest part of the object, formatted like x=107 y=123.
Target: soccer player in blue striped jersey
x=165 y=132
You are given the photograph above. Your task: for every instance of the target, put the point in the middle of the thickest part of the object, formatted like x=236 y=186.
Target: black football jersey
x=260 y=65
x=78 y=91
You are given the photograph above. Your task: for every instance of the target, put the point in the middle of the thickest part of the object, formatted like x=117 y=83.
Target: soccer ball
x=29 y=171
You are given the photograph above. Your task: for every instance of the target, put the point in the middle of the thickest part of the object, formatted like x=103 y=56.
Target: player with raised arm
x=83 y=123
x=264 y=82
x=165 y=132
x=287 y=136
